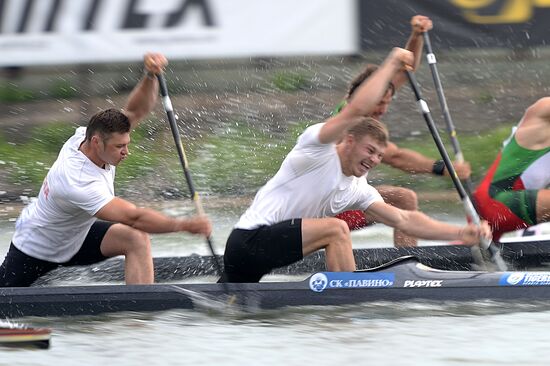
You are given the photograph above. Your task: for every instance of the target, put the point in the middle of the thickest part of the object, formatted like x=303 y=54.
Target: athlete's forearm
x=366 y=98
x=414 y=44
x=154 y=222
x=369 y=94
x=422 y=226
x=409 y=161
x=144 y=96
x=142 y=99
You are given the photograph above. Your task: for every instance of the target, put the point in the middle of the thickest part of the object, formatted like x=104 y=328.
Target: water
x=477 y=333
x=379 y=334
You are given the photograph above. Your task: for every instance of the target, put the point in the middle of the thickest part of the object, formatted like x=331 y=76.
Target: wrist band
x=439 y=167
x=149 y=74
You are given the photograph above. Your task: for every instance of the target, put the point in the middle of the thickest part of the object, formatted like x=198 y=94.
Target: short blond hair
x=368 y=126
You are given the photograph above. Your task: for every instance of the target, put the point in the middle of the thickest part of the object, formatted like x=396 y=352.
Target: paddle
x=166 y=102
x=459 y=157
x=469 y=207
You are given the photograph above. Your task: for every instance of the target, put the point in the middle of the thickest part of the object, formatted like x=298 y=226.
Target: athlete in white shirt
x=61 y=228
x=291 y=216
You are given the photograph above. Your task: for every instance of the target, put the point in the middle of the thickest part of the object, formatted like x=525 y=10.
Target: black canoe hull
x=406 y=279
x=520 y=255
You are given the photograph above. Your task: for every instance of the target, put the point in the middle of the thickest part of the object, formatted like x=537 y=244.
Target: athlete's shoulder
x=538 y=110
x=310 y=136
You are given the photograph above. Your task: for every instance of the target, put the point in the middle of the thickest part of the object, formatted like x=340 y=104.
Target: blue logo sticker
x=525 y=279
x=323 y=280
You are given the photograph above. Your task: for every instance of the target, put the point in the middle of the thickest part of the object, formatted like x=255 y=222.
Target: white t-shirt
x=53 y=227
x=309 y=184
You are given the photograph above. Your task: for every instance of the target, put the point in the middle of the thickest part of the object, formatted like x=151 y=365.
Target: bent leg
x=333 y=235
x=22 y=270
x=404 y=199
x=250 y=254
x=135 y=245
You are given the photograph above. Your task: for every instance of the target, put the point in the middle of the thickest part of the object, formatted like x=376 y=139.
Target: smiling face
x=363 y=147
x=363 y=154
x=113 y=149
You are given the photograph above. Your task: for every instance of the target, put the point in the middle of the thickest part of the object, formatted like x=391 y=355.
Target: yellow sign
x=509 y=11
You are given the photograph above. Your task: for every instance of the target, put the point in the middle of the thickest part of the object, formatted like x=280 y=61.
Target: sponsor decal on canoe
x=525 y=279
x=422 y=283
x=323 y=280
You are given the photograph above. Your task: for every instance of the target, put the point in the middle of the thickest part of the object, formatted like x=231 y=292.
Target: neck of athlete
x=91 y=154
x=343 y=155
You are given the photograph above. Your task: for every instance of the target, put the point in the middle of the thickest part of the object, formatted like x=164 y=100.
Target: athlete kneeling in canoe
x=77 y=219
x=514 y=194
x=292 y=215
x=407 y=160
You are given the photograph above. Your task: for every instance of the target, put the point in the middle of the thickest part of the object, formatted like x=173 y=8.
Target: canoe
x=520 y=254
x=403 y=279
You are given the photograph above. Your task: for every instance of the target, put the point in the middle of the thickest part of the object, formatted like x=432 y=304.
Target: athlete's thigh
x=90 y=250
x=119 y=238
x=317 y=233
x=21 y=270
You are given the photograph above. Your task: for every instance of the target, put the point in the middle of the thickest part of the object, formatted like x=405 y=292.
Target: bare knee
x=139 y=240
x=122 y=240
x=340 y=233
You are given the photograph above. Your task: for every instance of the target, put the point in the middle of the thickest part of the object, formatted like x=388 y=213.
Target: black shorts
x=21 y=270
x=250 y=254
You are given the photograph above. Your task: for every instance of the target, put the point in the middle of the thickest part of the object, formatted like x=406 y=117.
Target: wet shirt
x=309 y=184
x=53 y=227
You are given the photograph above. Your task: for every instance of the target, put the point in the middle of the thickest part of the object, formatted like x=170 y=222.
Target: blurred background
x=247 y=76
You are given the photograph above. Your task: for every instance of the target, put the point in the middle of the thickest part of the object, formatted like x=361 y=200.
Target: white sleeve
x=309 y=151
x=91 y=197
x=369 y=195
x=310 y=136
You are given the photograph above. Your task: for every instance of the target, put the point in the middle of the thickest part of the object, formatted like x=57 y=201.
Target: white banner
x=41 y=32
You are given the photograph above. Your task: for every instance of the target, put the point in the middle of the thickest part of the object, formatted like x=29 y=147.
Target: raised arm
x=367 y=96
x=534 y=129
x=419 y=225
x=419 y=24
x=540 y=110
x=143 y=97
